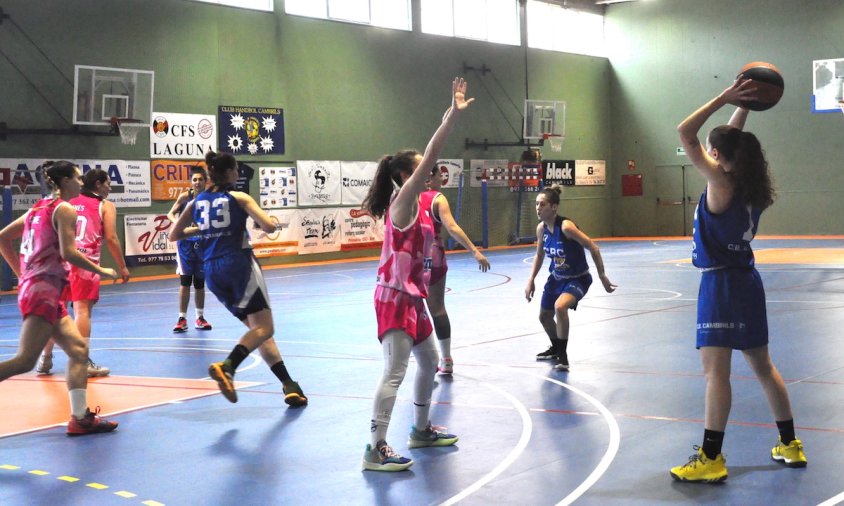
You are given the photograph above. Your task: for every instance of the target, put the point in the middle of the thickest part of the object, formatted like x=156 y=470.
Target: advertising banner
x=319 y=183
x=357 y=178
x=182 y=136
x=319 y=230
x=359 y=230
x=146 y=240
x=283 y=241
x=251 y=130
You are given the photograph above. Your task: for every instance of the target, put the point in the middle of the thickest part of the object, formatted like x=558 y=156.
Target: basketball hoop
x=555 y=141
x=128 y=128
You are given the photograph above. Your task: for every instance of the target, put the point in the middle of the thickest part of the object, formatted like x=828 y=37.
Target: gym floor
x=604 y=433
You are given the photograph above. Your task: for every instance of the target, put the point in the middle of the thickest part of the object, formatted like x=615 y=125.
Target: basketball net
x=555 y=141
x=128 y=129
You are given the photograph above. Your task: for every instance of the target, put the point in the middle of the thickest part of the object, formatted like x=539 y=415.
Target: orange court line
x=34 y=402
x=817 y=256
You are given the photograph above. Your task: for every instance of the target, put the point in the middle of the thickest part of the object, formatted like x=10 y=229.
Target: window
x=384 y=13
x=258 y=5
x=490 y=20
x=562 y=29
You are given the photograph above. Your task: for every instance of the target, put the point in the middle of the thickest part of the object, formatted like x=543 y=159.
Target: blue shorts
x=238 y=283
x=731 y=309
x=188 y=259
x=555 y=287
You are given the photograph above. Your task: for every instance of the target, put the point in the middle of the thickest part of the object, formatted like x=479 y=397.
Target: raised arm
x=401 y=209
x=689 y=128
x=571 y=231
x=110 y=235
x=442 y=209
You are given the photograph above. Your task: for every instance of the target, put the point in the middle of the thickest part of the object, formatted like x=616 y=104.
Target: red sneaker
x=91 y=423
x=202 y=324
x=181 y=325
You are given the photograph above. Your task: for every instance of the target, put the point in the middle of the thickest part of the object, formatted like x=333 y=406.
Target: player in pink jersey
x=403 y=275
x=441 y=213
x=96 y=219
x=47 y=246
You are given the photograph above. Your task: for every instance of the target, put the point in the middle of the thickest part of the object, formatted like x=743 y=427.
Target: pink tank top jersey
x=89 y=226
x=426 y=201
x=406 y=254
x=39 y=253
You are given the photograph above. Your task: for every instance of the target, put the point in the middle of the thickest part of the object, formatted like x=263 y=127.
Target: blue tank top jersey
x=222 y=224
x=723 y=240
x=568 y=258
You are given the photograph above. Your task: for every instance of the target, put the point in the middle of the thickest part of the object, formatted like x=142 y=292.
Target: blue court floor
x=604 y=433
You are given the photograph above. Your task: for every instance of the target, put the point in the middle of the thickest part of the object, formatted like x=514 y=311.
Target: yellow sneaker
x=701 y=468
x=791 y=454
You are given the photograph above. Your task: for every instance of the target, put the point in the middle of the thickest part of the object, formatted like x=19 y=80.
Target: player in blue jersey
x=731 y=312
x=569 y=279
x=189 y=259
x=232 y=273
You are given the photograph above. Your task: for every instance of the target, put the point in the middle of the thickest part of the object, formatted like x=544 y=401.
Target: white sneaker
x=95 y=370
x=446 y=366
x=45 y=364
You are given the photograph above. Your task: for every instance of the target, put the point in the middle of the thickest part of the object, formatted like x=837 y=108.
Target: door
x=678 y=190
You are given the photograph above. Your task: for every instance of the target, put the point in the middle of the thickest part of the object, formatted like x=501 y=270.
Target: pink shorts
x=84 y=285
x=439 y=267
x=398 y=310
x=42 y=297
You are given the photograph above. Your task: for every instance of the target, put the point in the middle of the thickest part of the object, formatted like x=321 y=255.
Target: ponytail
x=388 y=177
x=56 y=171
x=218 y=165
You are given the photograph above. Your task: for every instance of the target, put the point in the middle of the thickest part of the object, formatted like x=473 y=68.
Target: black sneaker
x=548 y=354
x=562 y=363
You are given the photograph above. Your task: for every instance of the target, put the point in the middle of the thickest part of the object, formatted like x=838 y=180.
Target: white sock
x=183 y=315
x=78 y=402
x=445 y=347
x=199 y=313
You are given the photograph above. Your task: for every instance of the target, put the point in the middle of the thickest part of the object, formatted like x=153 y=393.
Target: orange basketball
x=768 y=83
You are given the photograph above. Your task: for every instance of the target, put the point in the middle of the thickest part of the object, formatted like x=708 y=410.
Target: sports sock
x=200 y=313
x=786 y=429
x=281 y=372
x=238 y=355
x=182 y=315
x=713 y=440
x=78 y=402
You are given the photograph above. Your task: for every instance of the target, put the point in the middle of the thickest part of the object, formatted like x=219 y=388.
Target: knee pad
x=185 y=280
x=198 y=282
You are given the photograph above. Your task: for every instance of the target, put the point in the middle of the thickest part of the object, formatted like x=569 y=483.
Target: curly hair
x=751 y=177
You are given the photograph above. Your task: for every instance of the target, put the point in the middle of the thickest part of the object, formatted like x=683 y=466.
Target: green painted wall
x=673 y=55
x=349 y=92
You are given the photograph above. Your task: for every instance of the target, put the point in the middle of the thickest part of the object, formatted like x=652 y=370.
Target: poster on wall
x=319 y=230
x=281 y=242
x=558 y=172
x=146 y=240
x=277 y=187
x=359 y=230
x=450 y=171
x=827 y=85
x=590 y=172
x=493 y=171
x=251 y=130
x=130 y=180
x=357 y=178
x=171 y=177
x=182 y=136
x=318 y=183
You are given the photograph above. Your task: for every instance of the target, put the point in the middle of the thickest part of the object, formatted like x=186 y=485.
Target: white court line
x=612 y=424
x=527 y=429
x=833 y=500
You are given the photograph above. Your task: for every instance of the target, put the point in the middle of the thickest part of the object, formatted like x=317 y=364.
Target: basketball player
x=232 y=272
x=47 y=247
x=96 y=220
x=569 y=278
x=189 y=259
x=403 y=276
x=731 y=313
x=436 y=202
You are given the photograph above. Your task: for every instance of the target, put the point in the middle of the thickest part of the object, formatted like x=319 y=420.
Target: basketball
x=768 y=83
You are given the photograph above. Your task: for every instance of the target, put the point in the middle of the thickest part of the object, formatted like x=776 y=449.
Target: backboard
x=544 y=117
x=827 y=84
x=102 y=93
